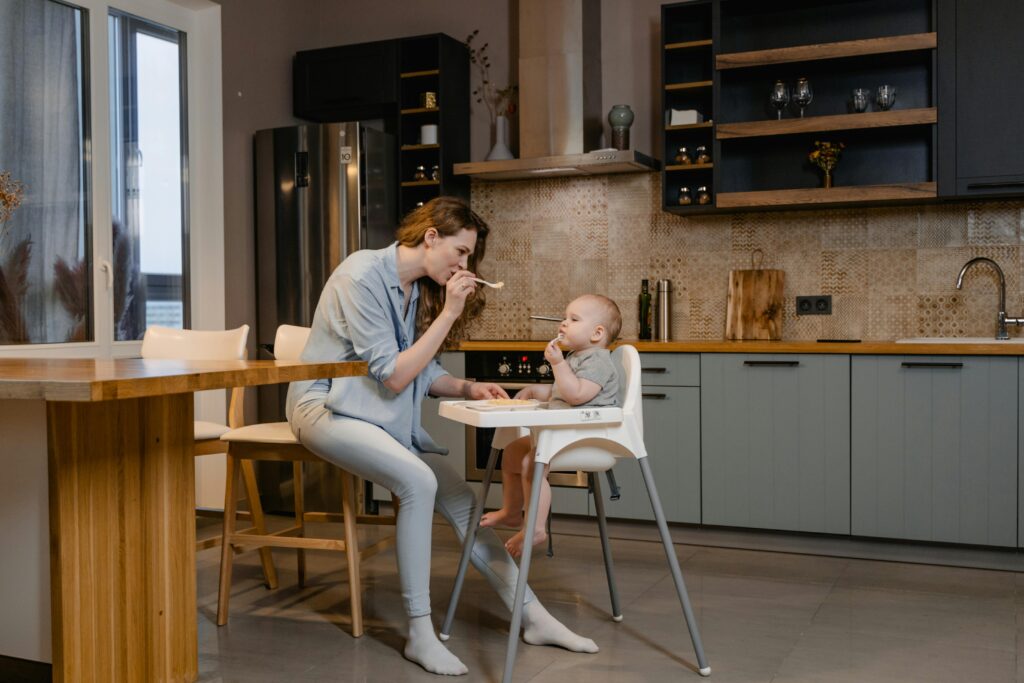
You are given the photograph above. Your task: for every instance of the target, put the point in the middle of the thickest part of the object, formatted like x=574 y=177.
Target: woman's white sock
x=540 y=628
x=425 y=649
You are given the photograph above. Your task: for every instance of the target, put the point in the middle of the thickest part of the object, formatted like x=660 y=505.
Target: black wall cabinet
x=981 y=97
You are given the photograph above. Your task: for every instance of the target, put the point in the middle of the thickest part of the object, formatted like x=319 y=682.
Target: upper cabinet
x=981 y=96
x=770 y=80
x=418 y=86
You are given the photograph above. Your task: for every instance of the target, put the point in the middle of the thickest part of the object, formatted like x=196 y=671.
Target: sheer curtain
x=45 y=255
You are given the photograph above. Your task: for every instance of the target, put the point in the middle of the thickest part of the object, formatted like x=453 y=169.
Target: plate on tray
x=505 y=404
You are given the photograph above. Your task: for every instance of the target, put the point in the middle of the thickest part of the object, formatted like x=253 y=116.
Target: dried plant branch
x=499 y=101
x=13 y=286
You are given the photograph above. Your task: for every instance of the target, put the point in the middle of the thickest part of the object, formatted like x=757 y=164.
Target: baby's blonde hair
x=611 y=317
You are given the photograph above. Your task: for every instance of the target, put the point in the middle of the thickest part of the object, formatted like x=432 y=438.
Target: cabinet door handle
x=995 y=185
x=771 y=363
x=657 y=396
x=953 y=366
x=655 y=371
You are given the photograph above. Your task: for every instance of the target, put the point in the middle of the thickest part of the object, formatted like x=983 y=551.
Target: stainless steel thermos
x=663 y=311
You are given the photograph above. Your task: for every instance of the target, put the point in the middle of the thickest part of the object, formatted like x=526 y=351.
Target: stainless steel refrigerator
x=322 y=192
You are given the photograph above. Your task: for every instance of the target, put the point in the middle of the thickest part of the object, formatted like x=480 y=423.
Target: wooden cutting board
x=754 y=304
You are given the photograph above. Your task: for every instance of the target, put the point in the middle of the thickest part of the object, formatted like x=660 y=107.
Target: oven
x=513 y=370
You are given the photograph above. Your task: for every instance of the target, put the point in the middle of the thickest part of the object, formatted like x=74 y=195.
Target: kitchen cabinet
x=721 y=58
x=981 y=97
x=775 y=441
x=671 y=405
x=934 y=448
x=346 y=83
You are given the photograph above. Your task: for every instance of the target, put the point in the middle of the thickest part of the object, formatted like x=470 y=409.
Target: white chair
x=592 y=448
x=173 y=344
x=275 y=441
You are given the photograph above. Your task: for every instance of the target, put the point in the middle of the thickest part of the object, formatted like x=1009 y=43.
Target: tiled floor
x=764 y=616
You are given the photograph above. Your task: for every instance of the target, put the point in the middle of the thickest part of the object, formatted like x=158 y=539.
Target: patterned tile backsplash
x=891 y=271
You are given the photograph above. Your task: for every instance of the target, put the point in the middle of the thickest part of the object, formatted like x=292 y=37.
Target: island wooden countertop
x=879 y=347
x=83 y=379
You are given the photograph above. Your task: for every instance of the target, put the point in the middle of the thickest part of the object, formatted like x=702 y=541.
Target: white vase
x=500 y=149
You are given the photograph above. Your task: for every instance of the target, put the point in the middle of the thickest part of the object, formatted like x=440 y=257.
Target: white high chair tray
x=459 y=411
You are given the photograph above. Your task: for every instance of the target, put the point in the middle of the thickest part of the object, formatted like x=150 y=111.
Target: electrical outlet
x=820 y=304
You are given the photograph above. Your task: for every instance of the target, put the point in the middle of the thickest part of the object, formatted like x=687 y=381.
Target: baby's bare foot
x=514 y=545
x=503 y=518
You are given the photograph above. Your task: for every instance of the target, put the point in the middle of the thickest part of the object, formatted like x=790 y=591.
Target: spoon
x=496 y=285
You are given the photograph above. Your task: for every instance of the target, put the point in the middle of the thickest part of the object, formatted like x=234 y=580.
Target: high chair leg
x=606 y=548
x=467 y=545
x=300 y=519
x=524 y=572
x=673 y=563
x=226 y=551
x=258 y=520
x=355 y=588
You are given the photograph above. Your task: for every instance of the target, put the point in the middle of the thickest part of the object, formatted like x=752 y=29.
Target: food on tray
x=510 y=402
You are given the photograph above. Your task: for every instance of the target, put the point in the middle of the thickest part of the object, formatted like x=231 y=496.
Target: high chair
x=587 y=439
x=275 y=441
x=174 y=344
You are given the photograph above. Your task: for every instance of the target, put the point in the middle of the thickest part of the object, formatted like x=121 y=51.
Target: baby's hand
x=525 y=393
x=553 y=353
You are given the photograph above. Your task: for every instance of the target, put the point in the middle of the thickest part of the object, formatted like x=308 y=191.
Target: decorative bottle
x=645 y=310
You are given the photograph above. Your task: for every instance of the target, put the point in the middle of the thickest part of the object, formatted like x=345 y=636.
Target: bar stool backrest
x=290 y=341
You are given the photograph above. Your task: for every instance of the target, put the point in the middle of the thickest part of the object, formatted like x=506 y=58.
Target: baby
x=586 y=377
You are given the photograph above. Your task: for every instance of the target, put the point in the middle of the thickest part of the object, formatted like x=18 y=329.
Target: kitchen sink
x=959 y=340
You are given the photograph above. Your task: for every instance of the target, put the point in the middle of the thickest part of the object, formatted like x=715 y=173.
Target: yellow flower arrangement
x=11 y=192
x=825 y=156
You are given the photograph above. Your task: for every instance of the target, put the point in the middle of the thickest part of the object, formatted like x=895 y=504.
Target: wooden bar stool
x=274 y=441
x=174 y=344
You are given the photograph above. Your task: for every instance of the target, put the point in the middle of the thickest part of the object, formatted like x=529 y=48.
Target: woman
x=396 y=308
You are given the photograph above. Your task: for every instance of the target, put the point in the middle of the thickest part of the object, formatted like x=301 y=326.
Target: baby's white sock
x=425 y=649
x=540 y=628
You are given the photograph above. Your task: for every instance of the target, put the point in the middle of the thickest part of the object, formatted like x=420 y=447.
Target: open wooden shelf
x=412 y=148
x=691 y=126
x=420 y=183
x=419 y=74
x=846 y=48
x=688 y=44
x=834 y=195
x=816 y=124
x=687 y=209
x=421 y=110
x=688 y=167
x=688 y=86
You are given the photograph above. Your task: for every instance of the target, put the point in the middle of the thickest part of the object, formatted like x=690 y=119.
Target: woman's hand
x=484 y=390
x=457 y=290
x=525 y=393
x=553 y=353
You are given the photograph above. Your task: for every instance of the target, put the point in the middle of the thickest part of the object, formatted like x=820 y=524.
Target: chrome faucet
x=1002 y=320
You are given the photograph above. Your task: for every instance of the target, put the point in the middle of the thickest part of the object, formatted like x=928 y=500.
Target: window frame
x=203 y=172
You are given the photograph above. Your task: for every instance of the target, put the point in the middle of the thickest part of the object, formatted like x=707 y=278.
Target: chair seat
x=267 y=432
x=209 y=430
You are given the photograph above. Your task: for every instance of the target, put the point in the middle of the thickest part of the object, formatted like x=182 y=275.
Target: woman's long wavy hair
x=448 y=215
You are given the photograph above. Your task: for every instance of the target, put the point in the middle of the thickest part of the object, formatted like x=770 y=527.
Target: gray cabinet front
x=934 y=448
x=775 y=441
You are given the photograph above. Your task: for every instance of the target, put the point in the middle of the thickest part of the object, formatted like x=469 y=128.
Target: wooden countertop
x=81 y=379
x=879 y=347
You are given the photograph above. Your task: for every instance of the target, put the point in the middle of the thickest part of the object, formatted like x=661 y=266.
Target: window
x=149 y=168
x=45 y=213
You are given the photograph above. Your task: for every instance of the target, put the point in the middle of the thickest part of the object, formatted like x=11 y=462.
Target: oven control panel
x=508 y=366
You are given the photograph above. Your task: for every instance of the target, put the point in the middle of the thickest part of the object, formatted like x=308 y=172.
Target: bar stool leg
x=258 y=521
x=348 y=505
x=300 y=519
x=467 y=546
x=226 y=551
x=524 y=572
x=606 y=548
x=673 y=563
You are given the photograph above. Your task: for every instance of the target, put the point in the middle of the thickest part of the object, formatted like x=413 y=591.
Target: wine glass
x=779 y=97
x=802 y=94
x=886 y=97
x=860 y=100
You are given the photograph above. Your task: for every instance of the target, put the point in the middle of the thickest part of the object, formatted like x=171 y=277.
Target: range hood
x=560 y=98
x=601 y=162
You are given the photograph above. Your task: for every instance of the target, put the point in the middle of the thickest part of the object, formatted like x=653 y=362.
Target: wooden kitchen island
x=121 y=505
